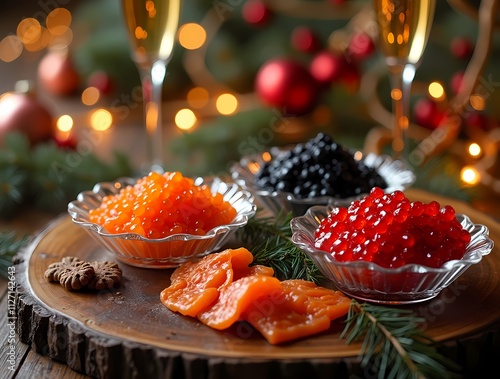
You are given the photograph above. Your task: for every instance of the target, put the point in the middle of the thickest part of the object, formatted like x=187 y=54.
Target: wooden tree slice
x=128 y=333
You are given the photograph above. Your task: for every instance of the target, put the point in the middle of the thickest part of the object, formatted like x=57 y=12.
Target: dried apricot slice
x=300 y=310
x=253 y=270
x=236 y=298
x=195 y=285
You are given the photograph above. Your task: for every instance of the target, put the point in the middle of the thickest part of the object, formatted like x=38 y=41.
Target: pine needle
x=10 y=244
x=268 y=238
x=394 y=345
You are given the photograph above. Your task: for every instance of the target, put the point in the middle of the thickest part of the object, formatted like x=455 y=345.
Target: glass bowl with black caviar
x=378 y=283
x=317 y=172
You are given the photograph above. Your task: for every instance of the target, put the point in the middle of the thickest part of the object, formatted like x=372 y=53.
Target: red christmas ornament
x=102 y=81
x=20 y=111
x=287 y=84
x=256 y=13
x=57 y=74
x=69 y=143
x=327 y=68
x=478 y=120
x=427 y=114
x=462 y=47
x=361 y=46
x=304 y=40
x=351 y=77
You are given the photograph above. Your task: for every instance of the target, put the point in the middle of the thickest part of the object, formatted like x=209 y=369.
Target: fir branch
x=394 y=344
x=10 y=244
x=268 y=238
x=47 y=177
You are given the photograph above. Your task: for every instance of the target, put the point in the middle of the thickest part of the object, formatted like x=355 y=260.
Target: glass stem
x=401 y=80
x=152 y=84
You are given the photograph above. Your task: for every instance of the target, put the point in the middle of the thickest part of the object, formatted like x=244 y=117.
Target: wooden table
x=462 y=345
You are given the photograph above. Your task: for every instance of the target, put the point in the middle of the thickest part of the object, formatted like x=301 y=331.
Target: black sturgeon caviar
x=318 y=167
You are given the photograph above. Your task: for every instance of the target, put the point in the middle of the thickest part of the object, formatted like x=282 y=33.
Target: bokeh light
x=101 y=119
x=396 y=94
x=474 y=149
x=90 y=96
x=197 y=97
x=470 y=175
x=436 y=90
x=61 y=41
x=58 y=21
x=64 y=123
x=185 y=119
x=41 y=43
x=192 y=36
x=29 y=30
x=226 y=104
x=477 y=102
x=11 y=48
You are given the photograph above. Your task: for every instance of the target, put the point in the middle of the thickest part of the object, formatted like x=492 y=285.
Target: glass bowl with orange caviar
x=162 y=220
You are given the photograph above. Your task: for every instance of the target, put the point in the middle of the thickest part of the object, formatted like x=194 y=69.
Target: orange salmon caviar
x=161 y=205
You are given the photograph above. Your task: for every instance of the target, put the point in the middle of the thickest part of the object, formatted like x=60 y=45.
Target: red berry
x=427 y=114
x=256 y=13
x=102 y=81
x=361 y=46
x=327 y=67
x=304 y=39
x=462 y=47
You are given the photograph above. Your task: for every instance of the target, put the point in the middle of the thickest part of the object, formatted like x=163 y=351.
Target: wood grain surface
x=90 y=331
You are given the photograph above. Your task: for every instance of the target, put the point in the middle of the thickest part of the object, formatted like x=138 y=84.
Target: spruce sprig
x=268 y=238
x=10 y=244
x=394 y=344
x=47 y=176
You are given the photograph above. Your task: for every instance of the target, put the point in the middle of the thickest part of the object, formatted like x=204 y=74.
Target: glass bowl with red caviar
x=318 y=172
x=161 y=221
x=394 y=254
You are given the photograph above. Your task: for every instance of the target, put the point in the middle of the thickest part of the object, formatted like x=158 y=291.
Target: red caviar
x=390 y=230
x=161 y=205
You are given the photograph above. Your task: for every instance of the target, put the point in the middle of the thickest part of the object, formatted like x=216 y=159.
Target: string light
x=185 y=119
x=197 y=97
x=477 y=102
x=436 y=90
x=396 y=94
x=11 y=48
x=474 y=149
x=58 y=21
x=101 y=119
x=226 y=104
x=470 y=176
x=29 y=30
x=41 y=43
x=64 y=123
x=90 y=96
x=192 y=36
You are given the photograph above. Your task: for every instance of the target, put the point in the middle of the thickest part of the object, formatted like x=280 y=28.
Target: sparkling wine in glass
x=404 y=27
x=152 y=28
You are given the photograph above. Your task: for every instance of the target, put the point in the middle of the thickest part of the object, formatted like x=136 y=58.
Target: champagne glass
x=404 y=27
x=152 y=27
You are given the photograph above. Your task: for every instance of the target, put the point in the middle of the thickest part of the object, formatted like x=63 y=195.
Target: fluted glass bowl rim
x=242 y=201
x=303 y=228
x=396 y=173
